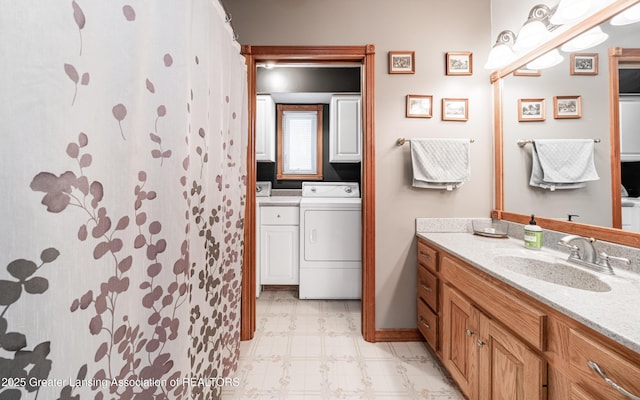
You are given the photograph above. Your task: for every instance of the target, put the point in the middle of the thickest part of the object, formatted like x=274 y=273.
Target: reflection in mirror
x=593 y=203
x=599 y=203
x=299 y=142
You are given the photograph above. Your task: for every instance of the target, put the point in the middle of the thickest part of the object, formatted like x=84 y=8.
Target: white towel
x=440 y=163
x=562 y=163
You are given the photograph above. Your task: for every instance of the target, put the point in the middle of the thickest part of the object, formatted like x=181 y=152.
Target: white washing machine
x=330 y=241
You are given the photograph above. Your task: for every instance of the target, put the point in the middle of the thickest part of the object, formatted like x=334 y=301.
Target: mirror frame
x=598 y=232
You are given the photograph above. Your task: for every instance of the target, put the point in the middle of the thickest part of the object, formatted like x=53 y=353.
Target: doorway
x=619 y=58
x=314 y=55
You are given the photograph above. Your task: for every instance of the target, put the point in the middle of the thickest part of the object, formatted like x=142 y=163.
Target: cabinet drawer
x=620 y=370
x=427 y=256
x=428 y=324
x=280 y=216
x=428 y=287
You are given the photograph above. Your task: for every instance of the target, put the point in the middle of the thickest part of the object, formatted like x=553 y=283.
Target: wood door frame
x=364 y=55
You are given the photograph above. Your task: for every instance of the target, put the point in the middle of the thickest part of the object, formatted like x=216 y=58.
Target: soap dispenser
x=532 y=235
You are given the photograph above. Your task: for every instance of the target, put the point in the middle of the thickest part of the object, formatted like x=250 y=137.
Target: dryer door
x=332 y=235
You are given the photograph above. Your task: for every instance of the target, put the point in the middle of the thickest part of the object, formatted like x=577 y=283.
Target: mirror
x=299 y=142
x=598 y=204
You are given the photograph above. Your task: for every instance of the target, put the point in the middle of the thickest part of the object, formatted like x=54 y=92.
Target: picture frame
x=567 y=107
x=419 y=106
x=455 y=109
x=459 y=63
x=402 y=62
x=584 y=64
x=531 y=110
x=527 y=72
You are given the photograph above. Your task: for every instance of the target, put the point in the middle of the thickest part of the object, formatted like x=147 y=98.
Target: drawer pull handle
x=423 y=322
x=426 y=255
x=468 y=332
x=425 y=287
x=480 y=343
x=596 y=368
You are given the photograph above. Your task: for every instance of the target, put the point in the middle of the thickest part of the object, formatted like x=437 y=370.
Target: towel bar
x=402 y=141
x=523 y=142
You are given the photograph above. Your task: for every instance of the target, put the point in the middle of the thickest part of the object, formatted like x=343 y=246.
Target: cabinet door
x=279 y=255
x=509 y=370
x=459 y=335
x=345 y=132
x=265 y=129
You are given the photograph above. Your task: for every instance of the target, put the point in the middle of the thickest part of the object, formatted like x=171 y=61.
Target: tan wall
x=430 y=28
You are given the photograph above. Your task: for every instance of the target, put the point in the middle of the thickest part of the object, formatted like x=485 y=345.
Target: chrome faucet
x=587 y=255
x=588 y=251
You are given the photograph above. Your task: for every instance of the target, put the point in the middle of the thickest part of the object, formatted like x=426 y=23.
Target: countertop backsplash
x=549 y=238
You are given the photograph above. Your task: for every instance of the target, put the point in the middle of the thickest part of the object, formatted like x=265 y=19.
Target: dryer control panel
x=331 y=189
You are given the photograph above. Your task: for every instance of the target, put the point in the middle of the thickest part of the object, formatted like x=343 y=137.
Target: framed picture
x=455 y=109
x=567 y=107
x=531 y=110
x=527 y=72
x=402 y=62
x=460 y=63
x=419 y=106
x=584 y=64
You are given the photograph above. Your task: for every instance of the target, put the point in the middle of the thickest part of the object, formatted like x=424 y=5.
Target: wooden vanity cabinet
x=491 y=341
x=499 y=343
x=428 y=295
x=485 y=358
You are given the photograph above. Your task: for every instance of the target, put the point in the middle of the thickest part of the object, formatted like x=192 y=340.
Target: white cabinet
x=265 y=128
x=279 y=245
x=631 y=218
x=345 y=132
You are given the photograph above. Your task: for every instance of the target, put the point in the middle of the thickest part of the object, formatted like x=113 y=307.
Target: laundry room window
x=300 y=142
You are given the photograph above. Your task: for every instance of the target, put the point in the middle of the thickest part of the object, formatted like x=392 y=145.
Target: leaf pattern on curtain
x=130 y=349
x=26 y=365
x=146 y=219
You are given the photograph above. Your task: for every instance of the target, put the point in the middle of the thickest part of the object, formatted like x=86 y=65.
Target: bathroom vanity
x=512 y=323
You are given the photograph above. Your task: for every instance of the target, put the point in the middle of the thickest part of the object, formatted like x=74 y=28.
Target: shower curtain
x=122 y=157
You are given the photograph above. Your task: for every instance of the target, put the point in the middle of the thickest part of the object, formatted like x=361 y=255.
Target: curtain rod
x=523 y=142
x=402 y=141
x=228 y=18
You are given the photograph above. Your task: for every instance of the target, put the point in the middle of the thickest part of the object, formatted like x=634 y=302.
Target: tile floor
x=313 y=349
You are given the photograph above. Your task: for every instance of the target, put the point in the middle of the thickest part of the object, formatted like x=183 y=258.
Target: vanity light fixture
x=501 y=53
x=536 y=30
x=546 y=60
x=570 y=11
x=590 y=38
x=628 y=16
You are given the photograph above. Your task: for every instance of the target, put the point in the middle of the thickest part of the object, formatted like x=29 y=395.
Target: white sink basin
x=550 y=269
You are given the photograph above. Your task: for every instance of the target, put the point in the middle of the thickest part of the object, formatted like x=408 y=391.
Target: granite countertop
x=614 y=313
